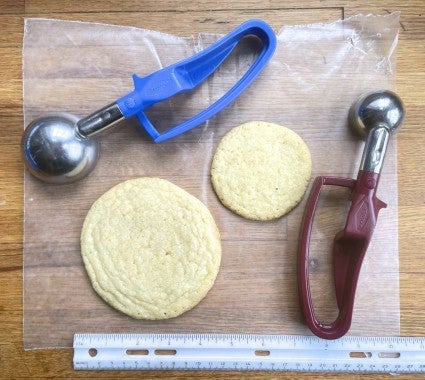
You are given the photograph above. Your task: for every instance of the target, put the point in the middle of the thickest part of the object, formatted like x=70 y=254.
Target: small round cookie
x=261 y=170
x=151 y=250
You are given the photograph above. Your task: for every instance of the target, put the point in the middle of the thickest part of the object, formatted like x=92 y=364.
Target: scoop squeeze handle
x=350 y=246
x=189 y=73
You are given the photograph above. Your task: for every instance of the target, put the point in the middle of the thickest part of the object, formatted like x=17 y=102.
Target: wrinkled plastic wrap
x=315 y=75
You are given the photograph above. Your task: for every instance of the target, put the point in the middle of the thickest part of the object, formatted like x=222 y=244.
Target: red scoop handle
x=349 y=249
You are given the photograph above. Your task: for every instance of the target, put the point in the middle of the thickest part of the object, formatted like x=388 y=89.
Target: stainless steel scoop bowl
x=55 y=152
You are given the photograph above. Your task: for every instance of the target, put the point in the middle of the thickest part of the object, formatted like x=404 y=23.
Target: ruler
x=248 y=352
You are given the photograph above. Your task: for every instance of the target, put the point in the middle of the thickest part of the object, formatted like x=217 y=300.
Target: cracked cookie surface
x=261 y=170
x=151 y=249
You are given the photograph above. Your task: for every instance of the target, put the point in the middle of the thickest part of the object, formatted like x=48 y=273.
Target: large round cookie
x=151 y=249
x=261 y=170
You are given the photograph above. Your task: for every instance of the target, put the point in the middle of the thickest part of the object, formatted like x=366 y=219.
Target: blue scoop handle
x=187 y=74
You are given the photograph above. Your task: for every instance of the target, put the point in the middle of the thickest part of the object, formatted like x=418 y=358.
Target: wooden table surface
x=186 y=18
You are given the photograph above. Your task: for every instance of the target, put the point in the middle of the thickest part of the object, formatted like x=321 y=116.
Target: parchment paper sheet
x=316 y=73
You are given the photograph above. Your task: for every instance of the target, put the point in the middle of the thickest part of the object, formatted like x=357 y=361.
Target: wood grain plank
x=412 y=316
x=11 y=95
x=12 y=29
x=216 y=20
x=204 y=6
x=10 y=67
x=411 y=189
x=12 y=6
x=150 y=18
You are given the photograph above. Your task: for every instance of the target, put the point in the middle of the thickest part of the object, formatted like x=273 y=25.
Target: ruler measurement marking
x=248 y=352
